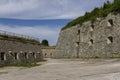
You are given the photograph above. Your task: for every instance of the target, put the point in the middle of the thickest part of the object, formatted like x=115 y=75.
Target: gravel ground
x=66 y=69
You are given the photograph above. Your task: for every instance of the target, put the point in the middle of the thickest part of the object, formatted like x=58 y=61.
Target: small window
x=15 y=56
x=77 y=44
x=78 y=32
x=110 y=39
x=26 y=55
x=91 y=42
x=2 y=56
x=92 y=27
x=45 y=54
x=34 y=55
x=110 y=22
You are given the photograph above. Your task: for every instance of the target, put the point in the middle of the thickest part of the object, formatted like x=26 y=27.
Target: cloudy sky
x=42 y=18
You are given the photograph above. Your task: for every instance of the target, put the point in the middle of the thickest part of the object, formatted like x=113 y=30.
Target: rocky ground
x=66 y=69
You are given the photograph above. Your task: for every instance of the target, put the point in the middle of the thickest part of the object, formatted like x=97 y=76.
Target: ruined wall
x=13 y=51
x=91 y=39
x=48 y=52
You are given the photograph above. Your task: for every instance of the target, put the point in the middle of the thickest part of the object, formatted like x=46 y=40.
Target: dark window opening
x=78 y=31
x=34 y=55
x=111 y=22
x=91 y=41
x=45 y=54
x=92 y=27
x=26 y=56
x=15 y=56
x=110 y=39
x=2 y=56
x=77 y=44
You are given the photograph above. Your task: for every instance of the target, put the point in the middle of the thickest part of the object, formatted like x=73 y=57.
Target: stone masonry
x=91 y=39
x=48 y=52
x=14 y=51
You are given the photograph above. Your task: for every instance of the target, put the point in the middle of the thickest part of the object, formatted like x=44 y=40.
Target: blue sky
x=42 y=18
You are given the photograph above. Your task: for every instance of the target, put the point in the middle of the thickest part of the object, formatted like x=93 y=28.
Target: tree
x=117 y=5
x=45 y=43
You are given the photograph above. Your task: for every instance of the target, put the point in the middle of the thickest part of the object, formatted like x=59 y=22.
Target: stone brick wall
x=13 y=51
x=91 y=39
x=48 y=52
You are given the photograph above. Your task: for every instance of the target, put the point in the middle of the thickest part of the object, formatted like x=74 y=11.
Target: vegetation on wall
x=21 y=39
x=103 y=11
x=26 y=64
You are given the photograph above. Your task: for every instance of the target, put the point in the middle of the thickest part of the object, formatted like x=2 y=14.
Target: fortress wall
x=91 y=39
x=66 y=43
x=13 y=51
x=48 y=52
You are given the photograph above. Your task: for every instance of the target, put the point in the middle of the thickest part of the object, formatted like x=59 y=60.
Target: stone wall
x=91 y=39
x=13 y=51
x=48 y=52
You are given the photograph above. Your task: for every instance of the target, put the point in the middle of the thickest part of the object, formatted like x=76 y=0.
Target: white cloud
x=36 y=31
x=43 y=9
x=46 y=9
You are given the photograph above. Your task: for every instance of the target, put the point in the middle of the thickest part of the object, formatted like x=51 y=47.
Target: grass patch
x=21 y=39
x=98 y=12
x=29 y=65
x=97 y=57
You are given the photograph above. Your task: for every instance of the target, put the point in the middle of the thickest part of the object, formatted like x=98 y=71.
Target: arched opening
x=26 y=55
x=2 y=56
x=110 y=39
x=34 y=55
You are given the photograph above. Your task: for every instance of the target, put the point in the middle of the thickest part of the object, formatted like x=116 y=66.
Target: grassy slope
x=22 y=39
x=97 y=12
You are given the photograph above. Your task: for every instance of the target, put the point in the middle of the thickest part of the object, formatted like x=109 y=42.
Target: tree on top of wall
x=45 y=42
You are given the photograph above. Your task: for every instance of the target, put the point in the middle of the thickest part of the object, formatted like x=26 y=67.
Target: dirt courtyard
x=66 y=69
